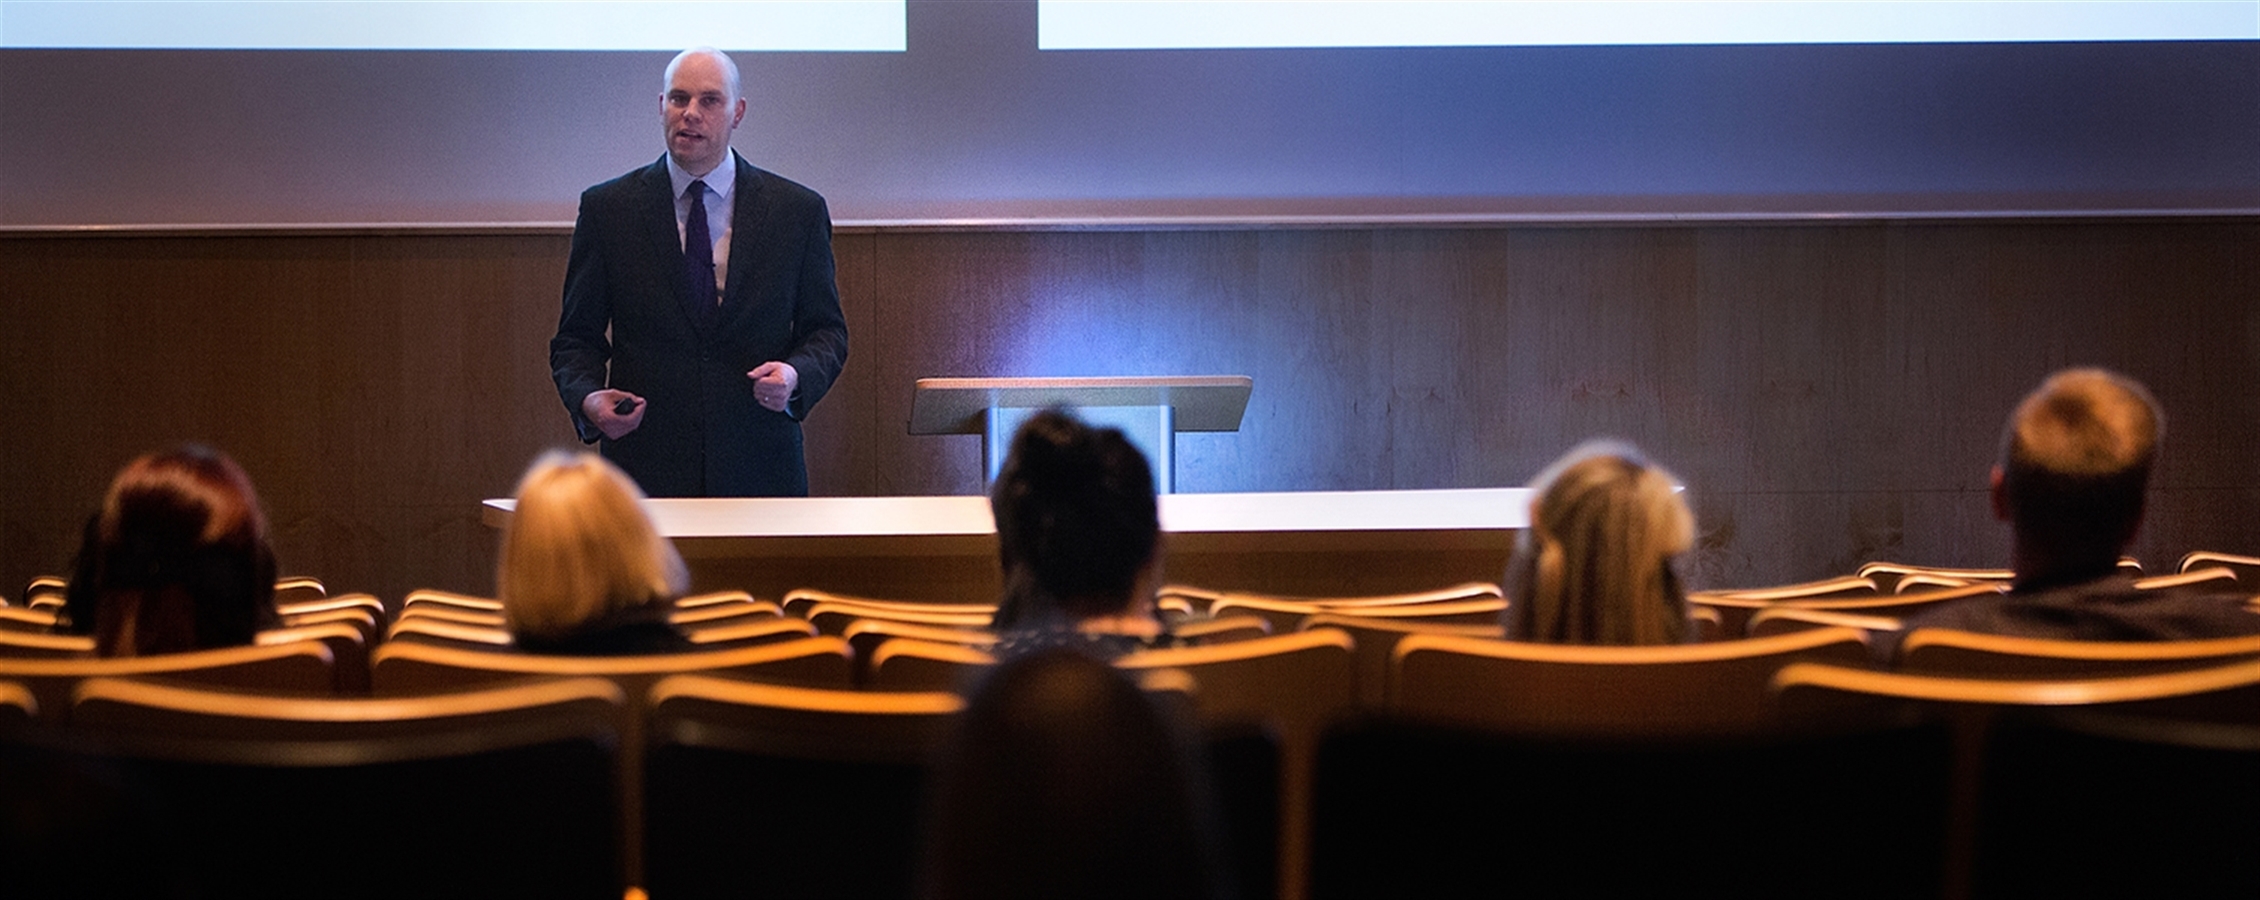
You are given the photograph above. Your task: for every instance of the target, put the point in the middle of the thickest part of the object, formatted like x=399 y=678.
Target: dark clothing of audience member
x=633 y=631
x=2110 y=608
x=1066 y=780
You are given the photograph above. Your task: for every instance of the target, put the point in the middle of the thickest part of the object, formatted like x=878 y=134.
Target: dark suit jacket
x=703 y=434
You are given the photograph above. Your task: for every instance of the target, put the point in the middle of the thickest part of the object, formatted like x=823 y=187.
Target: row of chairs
x=698 y=769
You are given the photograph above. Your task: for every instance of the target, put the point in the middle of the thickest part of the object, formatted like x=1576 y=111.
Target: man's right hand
x=598 y=406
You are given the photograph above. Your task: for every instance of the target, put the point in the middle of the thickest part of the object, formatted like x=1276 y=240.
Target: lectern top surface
x=1202 y=402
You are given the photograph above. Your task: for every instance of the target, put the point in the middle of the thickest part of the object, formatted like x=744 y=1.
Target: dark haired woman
x=1079 y=540
x=176 y=560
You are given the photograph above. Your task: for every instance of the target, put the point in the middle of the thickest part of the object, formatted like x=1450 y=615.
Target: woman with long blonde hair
x=1595 y=565
x=583 y=570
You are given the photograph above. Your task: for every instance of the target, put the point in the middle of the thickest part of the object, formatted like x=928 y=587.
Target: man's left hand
x=774 y=384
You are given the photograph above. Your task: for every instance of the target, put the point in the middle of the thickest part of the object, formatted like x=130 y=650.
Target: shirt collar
x=721 y=181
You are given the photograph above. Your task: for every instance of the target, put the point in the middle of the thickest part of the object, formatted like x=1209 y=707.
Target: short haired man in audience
x=2075 y=461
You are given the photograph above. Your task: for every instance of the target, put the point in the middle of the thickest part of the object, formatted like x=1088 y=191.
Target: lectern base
x=1151 y=429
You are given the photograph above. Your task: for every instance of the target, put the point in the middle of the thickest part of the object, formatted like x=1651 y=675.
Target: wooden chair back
x=1606 y=691
x=799 y=602
x=1292 y=685
x=915 y=664
x=757 y=789
x=834 y=618
x=1737 y=612
x=740 y=631
x=501 y=792
x=1376 y=640
x=2246 y=568
x=348 y=645
x=297 y=667
x=865 y=635
x=42 y=645
x=1943 y=651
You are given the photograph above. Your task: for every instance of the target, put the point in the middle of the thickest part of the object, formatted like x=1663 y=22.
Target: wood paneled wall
x=1830 y=393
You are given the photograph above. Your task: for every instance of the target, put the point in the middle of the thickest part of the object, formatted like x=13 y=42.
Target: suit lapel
x=657 y=216
x=745 y=237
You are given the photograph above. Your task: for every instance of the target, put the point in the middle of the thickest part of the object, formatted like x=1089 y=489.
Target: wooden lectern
x=1149 y=410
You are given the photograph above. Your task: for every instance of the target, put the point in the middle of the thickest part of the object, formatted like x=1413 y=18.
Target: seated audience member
x=1078 y=539
x=583 y=571
x=1065 y=780
x=176 y=560
x=1595 y=565
x=2075 y=460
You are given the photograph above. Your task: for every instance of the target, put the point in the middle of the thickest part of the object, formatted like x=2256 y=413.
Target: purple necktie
x=698 y=250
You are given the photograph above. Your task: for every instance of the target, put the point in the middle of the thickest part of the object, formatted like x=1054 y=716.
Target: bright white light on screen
x=1199 y=24
x=454 y=24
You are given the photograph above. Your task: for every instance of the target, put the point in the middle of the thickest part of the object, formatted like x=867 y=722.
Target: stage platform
x=944 y=548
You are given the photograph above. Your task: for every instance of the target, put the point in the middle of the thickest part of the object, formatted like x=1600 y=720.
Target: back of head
x=1595 y=565
x=2075 y=460
x=579 y=548
x=178 y=558
x=1065 y=780
x=1077 y=522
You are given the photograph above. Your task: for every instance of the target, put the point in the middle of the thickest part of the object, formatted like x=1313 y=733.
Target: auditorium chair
x=2218 y=578
x=448 y=599
x=408 y=667
x=2246 y=568
x=798 y=603
x=1467 y=602
x=1291 y=686
x=43 y=591
x=784 y=792
x=1223 y=629
x=1735 y=612
x=834 y=618
x=1787 y=619
x=865 y=635
x=1201 y=601
x=918 y=664
x=1839 y=588
x=440 y=631
x=23 y=619
x=1422 y=808
x=298 y=667
x=455 y=615
x=348 y=646
x=720 y=598
x=294 y=589
x=746 y=631
x=1944 y=651
x=711 y=608
x=1375 y=639
x=1605 y=691
x=362 y=611
x=17 y=706
x=1893 y=578
x=42 y=645
x=2139 y=785
x=503 y=791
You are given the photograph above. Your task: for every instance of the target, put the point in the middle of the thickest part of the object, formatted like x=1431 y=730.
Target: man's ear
x=737 y=118
x=1999 y=494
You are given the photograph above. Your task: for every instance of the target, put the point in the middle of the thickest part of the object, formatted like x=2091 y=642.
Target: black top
x=635 y=631
x=2109 y=608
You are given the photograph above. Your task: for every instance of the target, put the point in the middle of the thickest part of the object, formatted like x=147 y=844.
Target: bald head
x=719 y=59
x=2075 y=461
x=700 y=108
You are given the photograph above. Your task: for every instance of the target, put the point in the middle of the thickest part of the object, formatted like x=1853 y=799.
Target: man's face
x=700 y=114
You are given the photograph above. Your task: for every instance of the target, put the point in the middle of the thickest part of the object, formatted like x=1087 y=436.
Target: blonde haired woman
x=583 y=571
x=1595 y=565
